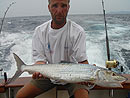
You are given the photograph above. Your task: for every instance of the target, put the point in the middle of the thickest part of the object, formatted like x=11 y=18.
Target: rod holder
x=5 y=77
x=122 y=69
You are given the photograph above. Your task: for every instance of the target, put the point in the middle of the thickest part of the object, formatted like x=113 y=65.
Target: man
x=57 y=40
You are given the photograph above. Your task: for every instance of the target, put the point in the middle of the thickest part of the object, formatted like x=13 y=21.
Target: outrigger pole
x=5 y=15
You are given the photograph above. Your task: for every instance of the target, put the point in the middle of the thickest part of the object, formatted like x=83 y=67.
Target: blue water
x=17 y=34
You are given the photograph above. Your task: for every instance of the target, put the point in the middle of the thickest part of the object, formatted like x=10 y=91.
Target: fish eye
x=113 y=74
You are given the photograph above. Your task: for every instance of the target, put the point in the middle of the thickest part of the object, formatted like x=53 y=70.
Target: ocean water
x=16 y=37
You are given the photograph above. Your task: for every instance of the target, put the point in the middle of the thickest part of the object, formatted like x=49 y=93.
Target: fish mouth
x=126 y=79
x=121 y=78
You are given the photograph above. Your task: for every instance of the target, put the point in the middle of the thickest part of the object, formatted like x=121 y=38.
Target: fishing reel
x=112 y=64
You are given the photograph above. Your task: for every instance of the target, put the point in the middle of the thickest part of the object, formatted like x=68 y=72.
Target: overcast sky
x=39 y=7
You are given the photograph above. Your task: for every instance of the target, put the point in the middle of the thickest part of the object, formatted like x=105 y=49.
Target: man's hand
x=37 y=75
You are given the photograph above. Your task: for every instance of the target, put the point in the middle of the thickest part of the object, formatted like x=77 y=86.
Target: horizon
x=109 y=13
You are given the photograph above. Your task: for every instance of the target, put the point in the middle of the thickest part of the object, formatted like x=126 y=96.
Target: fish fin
x=16 y=75
x=91 y=86
x=19 y=63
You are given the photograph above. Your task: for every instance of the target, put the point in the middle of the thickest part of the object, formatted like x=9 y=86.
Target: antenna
x=5 y=15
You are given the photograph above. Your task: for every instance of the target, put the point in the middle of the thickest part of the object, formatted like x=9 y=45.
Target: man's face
x=59 y=10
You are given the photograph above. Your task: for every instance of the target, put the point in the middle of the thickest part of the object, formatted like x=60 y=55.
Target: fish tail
x=19 y=63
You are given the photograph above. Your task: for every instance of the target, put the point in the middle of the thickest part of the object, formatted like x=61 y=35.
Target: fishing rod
x=109 y=63
x=5 y=15
x=107 y=40
x=1 y=69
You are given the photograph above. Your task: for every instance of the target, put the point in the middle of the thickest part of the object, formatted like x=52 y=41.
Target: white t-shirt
x=55 y=45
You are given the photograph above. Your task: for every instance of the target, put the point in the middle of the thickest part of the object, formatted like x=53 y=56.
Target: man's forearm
x=84 y=62
x=40 y=62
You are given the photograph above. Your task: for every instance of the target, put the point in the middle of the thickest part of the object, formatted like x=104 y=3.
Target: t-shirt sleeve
x=38 y=53
x=79 y=47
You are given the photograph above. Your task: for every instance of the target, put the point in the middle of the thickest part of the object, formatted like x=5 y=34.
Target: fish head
x=109 y=78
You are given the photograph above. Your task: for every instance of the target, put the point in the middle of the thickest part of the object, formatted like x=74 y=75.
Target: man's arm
x=84 y=62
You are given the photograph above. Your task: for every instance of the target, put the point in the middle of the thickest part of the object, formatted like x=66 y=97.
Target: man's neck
x=57 y=26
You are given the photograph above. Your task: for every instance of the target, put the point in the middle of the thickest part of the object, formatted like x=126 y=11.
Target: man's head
x=59 y=10
x=50 y=1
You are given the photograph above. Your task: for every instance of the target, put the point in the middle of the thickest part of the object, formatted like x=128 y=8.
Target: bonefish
x=71 y=73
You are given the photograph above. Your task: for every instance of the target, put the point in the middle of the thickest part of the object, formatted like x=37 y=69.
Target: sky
x=40 y=7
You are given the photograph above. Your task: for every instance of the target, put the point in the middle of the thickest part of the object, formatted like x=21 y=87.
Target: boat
x=10 y=90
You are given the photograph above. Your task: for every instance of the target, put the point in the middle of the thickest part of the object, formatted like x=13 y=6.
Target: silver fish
x=72 y=73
